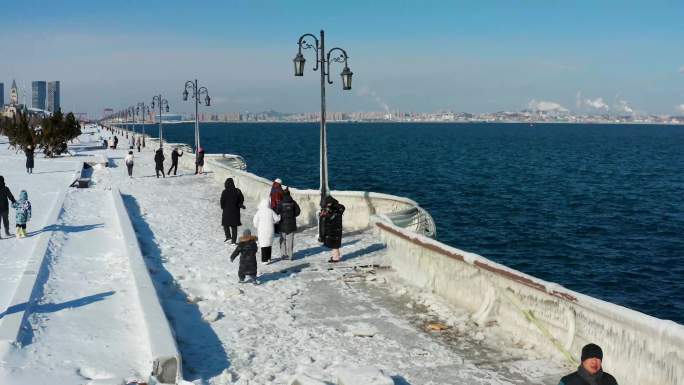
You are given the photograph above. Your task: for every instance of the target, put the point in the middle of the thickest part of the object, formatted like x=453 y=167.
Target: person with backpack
x=288 y=210
x=23 y=215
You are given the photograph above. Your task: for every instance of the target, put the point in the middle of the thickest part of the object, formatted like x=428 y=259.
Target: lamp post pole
x=323 y=59
x=197 y=93
x=161 y=102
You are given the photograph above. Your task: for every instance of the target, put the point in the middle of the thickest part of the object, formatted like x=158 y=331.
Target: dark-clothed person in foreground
x=288 y=210
x=247 y=249
x=5 y=196
x=175 y=154
x=331 y=215
x=159 y=162
x=589 y=372
x=232 y=201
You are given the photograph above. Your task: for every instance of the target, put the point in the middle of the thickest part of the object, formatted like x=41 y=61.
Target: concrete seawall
x=638 y=349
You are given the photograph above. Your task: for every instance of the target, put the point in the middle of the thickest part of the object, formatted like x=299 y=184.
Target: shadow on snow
x=202 y=351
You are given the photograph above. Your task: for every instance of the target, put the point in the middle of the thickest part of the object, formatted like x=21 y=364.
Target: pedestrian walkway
x=306 y=315
x=86 y=324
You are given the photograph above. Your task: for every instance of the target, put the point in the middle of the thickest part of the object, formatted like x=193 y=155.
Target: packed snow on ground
x=307 y=322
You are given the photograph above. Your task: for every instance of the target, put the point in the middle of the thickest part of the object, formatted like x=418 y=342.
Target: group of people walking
x=21 y=205
x=276 y=216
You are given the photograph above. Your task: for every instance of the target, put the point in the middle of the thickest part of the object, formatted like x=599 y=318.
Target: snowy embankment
x=82 y=322
x=306 y=319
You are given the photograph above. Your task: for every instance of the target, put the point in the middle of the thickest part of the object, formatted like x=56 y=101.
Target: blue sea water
x=596 y=208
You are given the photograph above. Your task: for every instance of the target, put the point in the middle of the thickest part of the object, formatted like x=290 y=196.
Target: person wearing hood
x=116 y=141
x=5 y=195
x=23 y=207
x=247 y=249
x=288 y=210
x=232 y=201
x=29 y=159
x=175 y=154
x=263 y=221
x=589 y=372
x=159 y=162
x=128 y=160
x=331 y=218
x=199 y=161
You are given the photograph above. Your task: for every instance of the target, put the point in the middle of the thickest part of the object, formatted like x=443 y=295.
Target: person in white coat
x=264 y=221
x=128 y=160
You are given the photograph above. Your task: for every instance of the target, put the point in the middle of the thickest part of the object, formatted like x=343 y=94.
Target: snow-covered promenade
x=307 y=323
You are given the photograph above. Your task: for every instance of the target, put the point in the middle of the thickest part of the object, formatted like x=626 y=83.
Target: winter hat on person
x=591 y=351
x=278 y=180
x=246 y=233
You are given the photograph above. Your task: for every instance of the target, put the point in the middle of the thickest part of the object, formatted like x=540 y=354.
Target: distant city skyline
x=585 y=57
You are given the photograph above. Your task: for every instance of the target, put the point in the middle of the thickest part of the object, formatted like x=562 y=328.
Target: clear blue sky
x=425 y=55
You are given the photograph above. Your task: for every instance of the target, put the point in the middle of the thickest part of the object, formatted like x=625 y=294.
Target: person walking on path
x=159 y=162
x=331 y=215
x=116 y=141
x=247 y=249
x=276 y=195
x=232 y=201
x=589 y=372
x=175 y=154
x=5 y=196
x=29 y=159
x=137 y=142
x=129 y=163
x=199 y=161
x=23 y=207
x=263 y=221
x=288 y=210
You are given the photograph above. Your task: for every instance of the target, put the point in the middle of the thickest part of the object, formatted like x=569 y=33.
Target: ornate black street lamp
x=162 y=103
x=197 y=93
x=142 y=109
x=323 y=59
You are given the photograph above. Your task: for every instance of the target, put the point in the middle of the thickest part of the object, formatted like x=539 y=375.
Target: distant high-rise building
x=2 y=94
x=14 y=94
x=53 y=96
x=39 y=93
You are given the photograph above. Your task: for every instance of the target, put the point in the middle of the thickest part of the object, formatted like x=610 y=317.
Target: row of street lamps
x=200 y=94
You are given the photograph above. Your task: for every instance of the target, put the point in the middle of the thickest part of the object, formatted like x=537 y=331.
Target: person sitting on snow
x=23 y=207
x=247 y=248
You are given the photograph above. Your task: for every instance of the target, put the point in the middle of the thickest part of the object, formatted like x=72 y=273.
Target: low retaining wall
x=24 y=295
x=638 y=349
x=360 y=205
x=166 y=365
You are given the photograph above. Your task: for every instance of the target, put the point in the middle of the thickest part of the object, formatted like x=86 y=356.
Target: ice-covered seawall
x=638 y=349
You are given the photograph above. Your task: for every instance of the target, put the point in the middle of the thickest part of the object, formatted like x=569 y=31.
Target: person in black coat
x=331 y=216
x=247 y=249
x=116 y=141
x=5 y=195
x=29 y=159
x=589 y=372
x=175 y=154
x=159 y=162
x=232 y=201
x=199 y=161
x=288 y=210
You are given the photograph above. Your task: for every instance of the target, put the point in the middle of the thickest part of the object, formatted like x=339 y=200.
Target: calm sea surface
x=596 y=208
